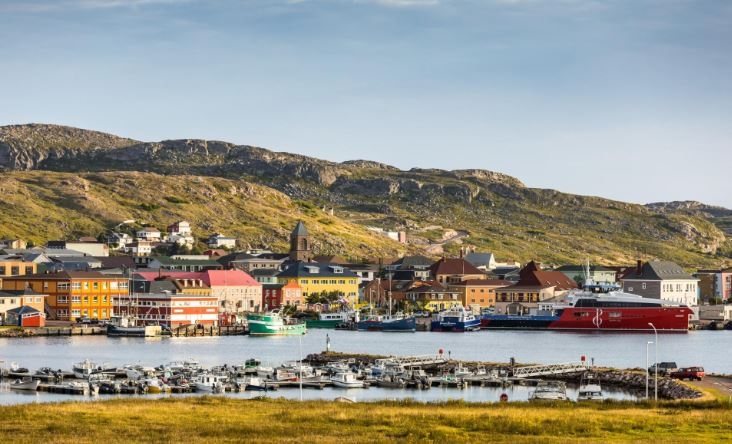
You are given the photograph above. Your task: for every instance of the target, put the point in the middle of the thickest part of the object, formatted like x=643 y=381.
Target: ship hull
x=455 y=326
x=664 y=319
x=400 y=325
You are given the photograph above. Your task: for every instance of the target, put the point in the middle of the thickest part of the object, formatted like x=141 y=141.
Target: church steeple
x=300 y=243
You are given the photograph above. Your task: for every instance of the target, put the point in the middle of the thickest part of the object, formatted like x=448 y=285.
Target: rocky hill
x=75 y=182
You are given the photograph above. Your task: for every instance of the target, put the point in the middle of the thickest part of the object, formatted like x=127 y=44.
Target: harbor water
x=619 y=350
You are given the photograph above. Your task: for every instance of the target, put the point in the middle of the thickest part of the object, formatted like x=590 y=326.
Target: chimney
x=638 y=268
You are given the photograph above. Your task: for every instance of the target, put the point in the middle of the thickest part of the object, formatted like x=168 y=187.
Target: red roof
x=234 y=278
x=454 y=267
x=532 y=276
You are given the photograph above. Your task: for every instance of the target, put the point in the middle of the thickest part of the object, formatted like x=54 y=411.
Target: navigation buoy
x=504 y=397
x=441 y=351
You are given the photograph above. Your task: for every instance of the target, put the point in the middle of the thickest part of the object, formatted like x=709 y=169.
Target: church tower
x=300 y=243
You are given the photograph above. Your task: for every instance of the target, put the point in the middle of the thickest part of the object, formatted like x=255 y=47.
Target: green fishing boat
x=273 y=324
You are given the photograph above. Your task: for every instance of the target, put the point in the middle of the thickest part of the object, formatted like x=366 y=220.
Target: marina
x=525 y=347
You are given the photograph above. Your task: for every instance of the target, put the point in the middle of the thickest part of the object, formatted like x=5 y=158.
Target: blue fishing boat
x=398 y=322
x=456 y=318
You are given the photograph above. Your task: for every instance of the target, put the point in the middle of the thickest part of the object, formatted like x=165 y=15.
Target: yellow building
x=478 y=292
x=317 y=278
x=74 y=294
x=16 y=266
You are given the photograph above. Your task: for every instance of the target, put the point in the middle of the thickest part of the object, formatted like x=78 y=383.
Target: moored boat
x=457 y=319
x=589 y=388
x=599 y=307
x=346 y=380
x=398 y=322
x=27 y=383
x=274 y=324
x=549 y=391
x=332 y=319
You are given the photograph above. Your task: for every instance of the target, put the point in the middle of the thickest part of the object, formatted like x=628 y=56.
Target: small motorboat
x=26 y=383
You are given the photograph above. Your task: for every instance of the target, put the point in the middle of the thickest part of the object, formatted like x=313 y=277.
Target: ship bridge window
x=615 y=314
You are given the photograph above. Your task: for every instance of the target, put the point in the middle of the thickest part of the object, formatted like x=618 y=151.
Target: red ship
x=602 y=308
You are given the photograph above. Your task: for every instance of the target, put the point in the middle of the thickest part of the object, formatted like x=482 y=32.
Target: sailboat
x=398 y=322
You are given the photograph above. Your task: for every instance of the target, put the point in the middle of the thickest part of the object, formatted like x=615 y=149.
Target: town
x=126 y=279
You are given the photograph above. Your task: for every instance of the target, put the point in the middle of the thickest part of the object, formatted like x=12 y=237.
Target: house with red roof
x=236 y=290
x=534 y=286
x=453 y=270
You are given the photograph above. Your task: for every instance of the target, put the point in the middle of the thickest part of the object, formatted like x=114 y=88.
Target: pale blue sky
x=626 y=99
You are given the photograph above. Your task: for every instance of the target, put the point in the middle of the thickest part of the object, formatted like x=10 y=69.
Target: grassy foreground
x=220 y=419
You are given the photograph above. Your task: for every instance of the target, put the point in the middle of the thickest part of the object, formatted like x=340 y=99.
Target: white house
x=220 y=241
x=149 y=234
x=662 y=280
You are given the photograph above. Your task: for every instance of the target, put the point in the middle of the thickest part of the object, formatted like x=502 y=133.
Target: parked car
x=689 y=373
x=664 y=368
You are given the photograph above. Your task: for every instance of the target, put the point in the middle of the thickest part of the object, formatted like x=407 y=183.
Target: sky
x=624 y=99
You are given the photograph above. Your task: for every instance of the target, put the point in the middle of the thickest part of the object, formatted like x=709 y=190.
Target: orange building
x=479 y=292
x=74 y=294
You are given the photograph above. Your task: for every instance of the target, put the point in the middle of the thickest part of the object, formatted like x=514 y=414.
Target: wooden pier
x=549 y=369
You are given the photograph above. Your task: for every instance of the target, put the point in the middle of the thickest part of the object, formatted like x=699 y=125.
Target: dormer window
x=337 y=270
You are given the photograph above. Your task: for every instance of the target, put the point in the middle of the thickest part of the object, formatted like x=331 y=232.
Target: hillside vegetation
x=62 y=182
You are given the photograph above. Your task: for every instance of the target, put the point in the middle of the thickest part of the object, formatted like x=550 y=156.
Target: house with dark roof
x=453 y=270
x=662 y=280
x=432 y=296
x=534 y=286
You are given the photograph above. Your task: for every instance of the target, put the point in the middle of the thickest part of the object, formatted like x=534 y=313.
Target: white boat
x=83 y=369
x=589 y=389
x=25 y=384
x=346 y=380
x=549 y=391
x=209 y=382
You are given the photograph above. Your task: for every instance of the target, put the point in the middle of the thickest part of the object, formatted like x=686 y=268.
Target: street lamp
x=655 y=383
x=647 y=344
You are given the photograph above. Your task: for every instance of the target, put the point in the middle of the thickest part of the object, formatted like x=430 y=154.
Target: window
x=643 y=285
x=76 y=299
x=2 y=270
x=62 y=299
x=14 y=271
x=63 y=286
x=86 y=285
x=76 y=285
x=28 y=270
x=96 y=285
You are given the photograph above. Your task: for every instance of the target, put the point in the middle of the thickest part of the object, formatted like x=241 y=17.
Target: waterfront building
x=318 y=278
x=171 y=302
x=478 y=293
x=74 y=294
x=432 y=296
x=282 y=295
x=533 y=287
x=715 y=284
x=662 y=280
